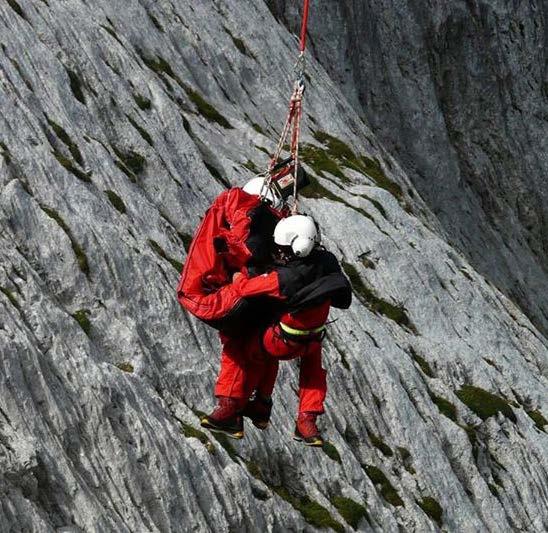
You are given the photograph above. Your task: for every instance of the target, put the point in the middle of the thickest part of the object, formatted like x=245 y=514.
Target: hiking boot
x=226 y=418
x=258 y=410
x=306 y=430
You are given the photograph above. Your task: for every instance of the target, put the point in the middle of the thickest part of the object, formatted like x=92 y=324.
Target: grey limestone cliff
x=120 y=122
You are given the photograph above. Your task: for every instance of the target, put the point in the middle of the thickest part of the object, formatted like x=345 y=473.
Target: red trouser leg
x=265 y=386
x=231 y=379
x=244 y=368
x=312 y=381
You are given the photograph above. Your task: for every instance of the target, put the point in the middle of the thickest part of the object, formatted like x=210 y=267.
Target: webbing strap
x=300 y=332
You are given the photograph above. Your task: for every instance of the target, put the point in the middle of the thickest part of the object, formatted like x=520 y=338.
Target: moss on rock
x=77 y=249
x=116 y=201
x=132 y=160
x=331 y=452
x=484 y=403
x=76 y=85
x=376 y=304
x=66 y=140
x=142 y=132
x=126 y=366
x=388 y=492
x=445 y=407
x=66 y=163
x=380 y=444
x=432 y=508
x=538 y=419
x=352 y=512
x=191 y=432
x=224 y=441
x=143 y=102
x=206 y=109
x=423 y=363
x=177 y=265
x=11 y=297
x=314 y=513
x=81 y=316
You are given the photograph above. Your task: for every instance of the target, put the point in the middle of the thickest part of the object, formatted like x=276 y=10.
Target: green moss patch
x=78 y=251
x=192 y=433
x=116 y=201
x=143 y=102
x=314 y=513
x=406 y=458
x=484 y=403
x=206 y=109
x=187 y=240
x=258 y=128
x=538 y=419
x=340 y=154
x=316 y=190
x=445 y=407
x=351 y=511
x=17 y=8
x=432 y=508
x=177 y=265
x=142 y=132
x=159 y=65
x=374 y=170
x=263 y=150
x=126 y=366
x=5 y=153
x=76 y=86
x=331 y=452
x=377 y=205
x=251 y=166
x=226 y=443
x=239 y=44
x=423 y=363
x=65 y=138
x=154 y=21
x=380 y=444
x=320 y=160
x=66 y=163
x=131 y=160
x=81 y=316
x=375 y=303
x=217 y=175
x=11 y=297
x=125 y=170
x=388 y=492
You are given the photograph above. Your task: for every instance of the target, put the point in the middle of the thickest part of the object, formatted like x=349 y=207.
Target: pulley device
x=286 y=177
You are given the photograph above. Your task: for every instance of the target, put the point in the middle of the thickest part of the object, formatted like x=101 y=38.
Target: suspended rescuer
x=308 y=282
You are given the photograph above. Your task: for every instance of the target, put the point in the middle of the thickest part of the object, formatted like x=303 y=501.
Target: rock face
x=120 y=122
x=457 y=92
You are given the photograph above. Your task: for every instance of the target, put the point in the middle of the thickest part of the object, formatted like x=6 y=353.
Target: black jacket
x=309 y=281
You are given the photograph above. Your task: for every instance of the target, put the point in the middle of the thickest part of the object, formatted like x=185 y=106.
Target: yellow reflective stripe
x=300 y=332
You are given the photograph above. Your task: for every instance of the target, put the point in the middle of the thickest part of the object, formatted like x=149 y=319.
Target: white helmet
x=298 y=231
x=256 y=186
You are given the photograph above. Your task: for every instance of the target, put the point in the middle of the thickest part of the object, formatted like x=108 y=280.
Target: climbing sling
x=277 y=172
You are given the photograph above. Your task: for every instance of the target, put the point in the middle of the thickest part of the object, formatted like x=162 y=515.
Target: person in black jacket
x=310 y=282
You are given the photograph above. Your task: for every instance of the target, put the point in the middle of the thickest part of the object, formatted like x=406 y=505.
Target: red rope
x=304 y=25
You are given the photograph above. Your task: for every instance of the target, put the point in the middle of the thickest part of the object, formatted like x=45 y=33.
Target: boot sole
x=317 y=443
x=205 y=423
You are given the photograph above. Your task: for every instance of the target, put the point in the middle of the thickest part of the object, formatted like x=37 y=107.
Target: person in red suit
x=310 y=281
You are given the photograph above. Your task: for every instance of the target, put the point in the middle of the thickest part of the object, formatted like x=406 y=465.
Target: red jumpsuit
x=249 y=363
